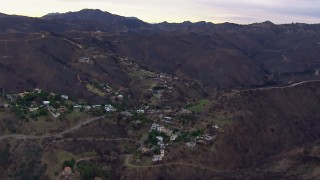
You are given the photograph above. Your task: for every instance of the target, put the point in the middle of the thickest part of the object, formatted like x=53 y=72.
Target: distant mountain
x=91 y=19
x=3 y=15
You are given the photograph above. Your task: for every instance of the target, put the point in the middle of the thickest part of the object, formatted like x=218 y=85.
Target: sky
x=154 y=11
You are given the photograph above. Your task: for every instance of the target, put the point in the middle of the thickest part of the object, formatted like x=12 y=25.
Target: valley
x=92 y=95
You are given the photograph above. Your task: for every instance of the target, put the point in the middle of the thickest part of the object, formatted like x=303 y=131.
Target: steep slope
x=221 y=56
x=247 y=56
x=266 y=123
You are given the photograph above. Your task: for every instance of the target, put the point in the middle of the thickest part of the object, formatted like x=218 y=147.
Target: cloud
x=278 y=10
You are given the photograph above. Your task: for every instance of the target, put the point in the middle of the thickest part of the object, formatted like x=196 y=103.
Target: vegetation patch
x=90 y=171
x=199 y=106
x=56 y=161
x=95 y=90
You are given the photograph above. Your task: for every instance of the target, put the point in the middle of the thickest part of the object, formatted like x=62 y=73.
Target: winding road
x=41 y=36
x=58 y=135
x=279 y=87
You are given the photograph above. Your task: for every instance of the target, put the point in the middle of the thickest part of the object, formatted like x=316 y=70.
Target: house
x=33 y=109
x=37 y=90
x=168 y=118
x=201 y=142
x=126 y=114
x=67 y=171
x=9 y=97
x=161 y=144
x=159 y=138
x=46 y=103
x=151 y=111
x=140 y=111
x=86 y=108
x=162 y=152
x=191 y=144
x=157 y=158
x=185 y=111
x=154 y=126
x=65 y=97
x=207 y=137
x=109 y=108
x=96 y=106
x=77 y=107
x=145 y=150
x=173 y=137
x=137 y=122
x=55 y=114
x=86 y=60
x=23 y=94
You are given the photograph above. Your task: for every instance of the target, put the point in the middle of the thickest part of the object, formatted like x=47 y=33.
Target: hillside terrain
x=91 y=94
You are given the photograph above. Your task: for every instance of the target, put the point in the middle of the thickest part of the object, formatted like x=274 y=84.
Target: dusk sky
x=153 y=11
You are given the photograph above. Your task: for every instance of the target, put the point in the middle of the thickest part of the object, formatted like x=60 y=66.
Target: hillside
x=221 y=56
x=92 y=94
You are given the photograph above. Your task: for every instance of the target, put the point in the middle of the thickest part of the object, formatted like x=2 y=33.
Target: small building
x=96 y=106
x=185 y=111
x=207 y=137
x=65 y=97
x=46 y=103
x=109 y=108
x=62 y=109
x=126 y=114
x=162 y=152
x=161 y=144
x=140 y=111
x=168 y=118
x=144 y=150
x=137 y=122
x=77 y=107
x=159 y=138
x=173 y=137
x=9 y=97
x=33 y=109
x=157 y=158
x=154 y=127
x=86 y=108
x=85 y=60
x=67 y=171
x=55 y=114
x=37 y=90
x=191 y=144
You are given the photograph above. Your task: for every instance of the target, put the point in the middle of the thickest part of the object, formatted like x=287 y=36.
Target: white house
x=159 y=138
x=77 y=107
x=96 y=106
x=162 y=152
x=46 y=103
x=173 y=137
x=86 y=107
x=140 y=111
x=37 y=90
x=157 y=158
x=109 y=108
x=64 y=97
